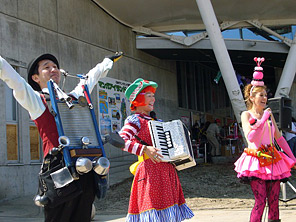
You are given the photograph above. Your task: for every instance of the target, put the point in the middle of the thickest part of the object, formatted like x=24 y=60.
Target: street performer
x=31 y=96
x=156 y=193
x=261 y=164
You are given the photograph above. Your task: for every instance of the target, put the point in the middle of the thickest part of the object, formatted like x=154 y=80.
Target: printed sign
x=113 y=106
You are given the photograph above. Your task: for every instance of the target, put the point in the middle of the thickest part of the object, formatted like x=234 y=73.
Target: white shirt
x=30 y=99
x=213 y=129
x=291 y=135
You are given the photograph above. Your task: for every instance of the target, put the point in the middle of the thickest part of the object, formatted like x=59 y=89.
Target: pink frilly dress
x=248 y=167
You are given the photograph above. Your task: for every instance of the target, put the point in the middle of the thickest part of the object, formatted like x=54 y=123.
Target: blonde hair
x=247 y=93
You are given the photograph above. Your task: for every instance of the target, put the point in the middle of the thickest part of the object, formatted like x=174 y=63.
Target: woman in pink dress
x=261 y=164
x=156 y=194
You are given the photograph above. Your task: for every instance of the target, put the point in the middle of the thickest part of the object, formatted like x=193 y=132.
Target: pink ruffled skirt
x=248 y=166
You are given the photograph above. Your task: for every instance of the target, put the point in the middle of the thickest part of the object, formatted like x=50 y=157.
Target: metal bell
x=54 y=151
x=41 y=201
x=83 y=165
x=101 y=165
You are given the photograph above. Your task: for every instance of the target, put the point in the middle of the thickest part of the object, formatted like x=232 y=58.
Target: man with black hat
x=30 y=96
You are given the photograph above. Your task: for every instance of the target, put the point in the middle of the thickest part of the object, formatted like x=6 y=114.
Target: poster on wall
x=113 y=106
x=186 y=120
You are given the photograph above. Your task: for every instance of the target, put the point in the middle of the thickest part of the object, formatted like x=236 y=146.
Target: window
x=197 y=90
x=191 y=92
x=181 y=80
x=12 y=131
x=35 y=144
x=208 y=92
x=11 y=126
x=200 y=89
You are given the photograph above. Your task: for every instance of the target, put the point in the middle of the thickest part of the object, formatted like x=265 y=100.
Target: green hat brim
x=139 y=84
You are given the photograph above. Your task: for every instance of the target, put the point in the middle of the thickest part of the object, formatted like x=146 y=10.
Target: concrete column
x=222 y=56
x=288 y=74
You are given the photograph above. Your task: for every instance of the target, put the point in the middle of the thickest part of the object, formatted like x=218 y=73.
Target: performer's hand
x=269 y=110
x=152 y=153
x=115 y=57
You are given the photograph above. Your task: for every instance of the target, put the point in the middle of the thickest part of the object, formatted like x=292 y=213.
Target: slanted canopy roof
x=160 y=17
x=163 y=16
x=177 y=15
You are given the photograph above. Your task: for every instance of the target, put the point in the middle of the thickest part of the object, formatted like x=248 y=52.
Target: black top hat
x=32 y=68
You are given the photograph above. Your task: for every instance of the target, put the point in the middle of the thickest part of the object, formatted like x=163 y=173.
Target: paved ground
x=287 y=215
x=24 y=210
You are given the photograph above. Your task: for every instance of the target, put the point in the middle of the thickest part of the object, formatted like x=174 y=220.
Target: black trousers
x=79 y=208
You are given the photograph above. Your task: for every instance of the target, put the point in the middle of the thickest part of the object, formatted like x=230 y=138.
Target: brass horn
x=64 y=141
x=63 y=96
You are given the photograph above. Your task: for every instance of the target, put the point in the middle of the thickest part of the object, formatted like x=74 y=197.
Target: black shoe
x=115 y=57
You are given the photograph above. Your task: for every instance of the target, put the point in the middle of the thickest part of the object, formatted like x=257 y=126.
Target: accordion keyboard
x=170 y=138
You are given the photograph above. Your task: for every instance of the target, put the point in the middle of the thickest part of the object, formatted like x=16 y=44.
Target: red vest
x=144 y=133
x=47 y=129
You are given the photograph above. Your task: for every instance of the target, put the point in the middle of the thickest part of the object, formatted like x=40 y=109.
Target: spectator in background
x=194 y=131
x=203 y=141
x=202 y=132
x=213 y=133
x=291 y=136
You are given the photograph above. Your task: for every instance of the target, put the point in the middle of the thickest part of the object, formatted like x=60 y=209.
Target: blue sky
x=235 y=34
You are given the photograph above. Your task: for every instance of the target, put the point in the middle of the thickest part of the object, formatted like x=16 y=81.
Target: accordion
x=173 y=140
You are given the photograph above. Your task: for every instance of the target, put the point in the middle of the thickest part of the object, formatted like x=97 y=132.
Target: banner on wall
x=113 y=106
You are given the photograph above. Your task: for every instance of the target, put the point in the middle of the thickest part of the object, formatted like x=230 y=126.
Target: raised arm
x=99 y=71
x=22 y=91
